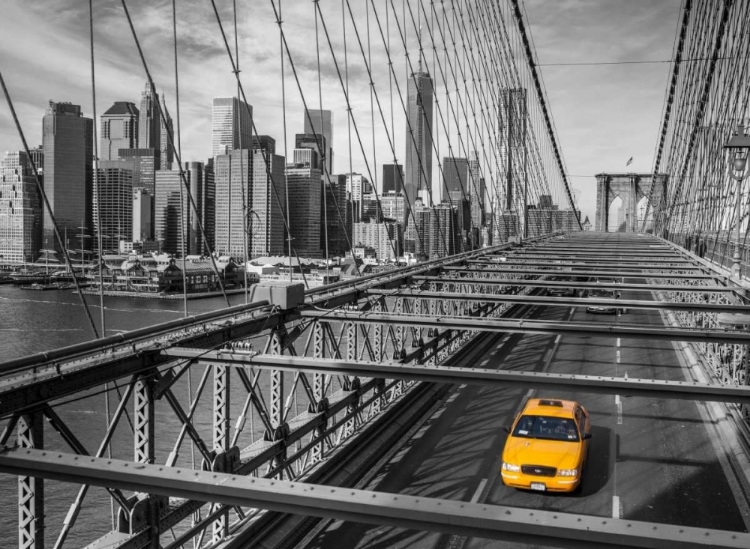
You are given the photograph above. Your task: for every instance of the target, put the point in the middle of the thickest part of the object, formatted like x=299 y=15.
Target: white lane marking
x=478 y=493
x=618 y=350
x=484 y=362
x=618 y=404
x=616 y=508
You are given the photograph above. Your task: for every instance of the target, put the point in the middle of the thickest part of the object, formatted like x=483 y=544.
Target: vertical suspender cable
x=326 y=148
x=246 y=196
x=286 y=152
x=184 y=215
x=40 y=189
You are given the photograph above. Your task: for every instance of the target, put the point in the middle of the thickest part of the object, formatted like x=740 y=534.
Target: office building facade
x=266 y=228
x=231 y=125
x=393 y=178
x=153 y=131
x=119 y=130
x=304 y=210
x=418 y=162
x=113 y=203
x=68 y=173
x=321 y=122
x=143 y=205
x=20 y=210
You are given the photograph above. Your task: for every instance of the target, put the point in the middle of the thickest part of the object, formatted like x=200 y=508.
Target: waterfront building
x=418 y=163
x=20 y=210
x=68 y=172
x=113 y=202
x=304 y=209
x=153 y=132
x=231 y=125
x=321 y=122
x=119 y=130
x=143 y=205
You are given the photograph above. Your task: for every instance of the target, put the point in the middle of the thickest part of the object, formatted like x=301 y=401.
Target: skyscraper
x=512 y=141
x=231 y=125
x=456 y=175
x=142 y=208
x=304 y=209
x=478 y=192
x=232 y=183
x=357 y=187
x=418 y=168
x=393 y=178
x=113 y=202
x=321 y=122
x=119 y=130
x=68 y=172
x=267 y=205
x=20 y=210
x=152 y=131
x=175 y=215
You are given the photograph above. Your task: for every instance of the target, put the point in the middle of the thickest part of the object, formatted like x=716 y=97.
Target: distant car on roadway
x=547 y=446
x=602 y=293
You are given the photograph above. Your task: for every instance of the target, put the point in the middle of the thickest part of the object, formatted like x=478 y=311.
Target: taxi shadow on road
x=600 y=463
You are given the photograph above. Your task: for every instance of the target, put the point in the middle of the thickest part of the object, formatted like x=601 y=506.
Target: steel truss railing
x=355 y=354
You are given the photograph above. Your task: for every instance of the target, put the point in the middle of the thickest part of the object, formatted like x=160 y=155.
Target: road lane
x=649 y=459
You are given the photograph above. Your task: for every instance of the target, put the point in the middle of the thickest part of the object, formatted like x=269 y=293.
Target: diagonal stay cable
x=40 y=189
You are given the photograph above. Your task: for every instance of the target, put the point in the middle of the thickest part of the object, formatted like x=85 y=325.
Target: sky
x=603 y=114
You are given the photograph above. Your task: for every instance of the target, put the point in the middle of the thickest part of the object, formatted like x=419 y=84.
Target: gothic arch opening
x=617 y=216
x=640 y=212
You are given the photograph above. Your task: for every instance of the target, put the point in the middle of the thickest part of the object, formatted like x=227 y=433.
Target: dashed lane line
x=478 y=492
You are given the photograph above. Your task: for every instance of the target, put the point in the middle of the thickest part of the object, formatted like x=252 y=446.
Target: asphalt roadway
x=649 y=460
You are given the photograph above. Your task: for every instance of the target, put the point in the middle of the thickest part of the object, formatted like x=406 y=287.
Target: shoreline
x=157 y=295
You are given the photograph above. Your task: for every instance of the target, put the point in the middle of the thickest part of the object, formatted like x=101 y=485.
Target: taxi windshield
x=545 y=427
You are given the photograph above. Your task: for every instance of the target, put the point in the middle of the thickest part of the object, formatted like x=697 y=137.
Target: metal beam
x=553 y=269
x=680 y=390
x=563 y=284
x=510 y=524
x=567 y=301
x=540 y=327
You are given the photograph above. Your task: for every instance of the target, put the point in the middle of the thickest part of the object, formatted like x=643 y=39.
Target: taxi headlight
x=568 y=472
x=511 y=467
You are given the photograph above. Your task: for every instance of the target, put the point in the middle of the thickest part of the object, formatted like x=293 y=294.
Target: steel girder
x=563 y=284
x=552 y=270
x=454 y=517
x=680 y=390
x=30 y=486
x=566 y=301
x=538 y=327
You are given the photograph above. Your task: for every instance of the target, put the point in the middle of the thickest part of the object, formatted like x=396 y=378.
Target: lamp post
x=739 y=169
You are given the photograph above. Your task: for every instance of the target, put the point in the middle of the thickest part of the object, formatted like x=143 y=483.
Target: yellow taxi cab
x=547 y=446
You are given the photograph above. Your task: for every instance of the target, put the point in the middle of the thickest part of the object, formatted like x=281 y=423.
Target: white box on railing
x=283 y=294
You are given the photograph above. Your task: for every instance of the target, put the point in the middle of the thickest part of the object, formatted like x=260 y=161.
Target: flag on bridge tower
x=629 y=162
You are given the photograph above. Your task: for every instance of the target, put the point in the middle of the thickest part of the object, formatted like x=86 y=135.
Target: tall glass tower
x=418 y=165
x=231 y=126
x=68 y=174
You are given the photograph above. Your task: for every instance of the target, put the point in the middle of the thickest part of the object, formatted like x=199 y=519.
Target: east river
x=34 y=321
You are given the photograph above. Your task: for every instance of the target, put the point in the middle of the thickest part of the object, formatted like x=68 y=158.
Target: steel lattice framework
x=337 y=375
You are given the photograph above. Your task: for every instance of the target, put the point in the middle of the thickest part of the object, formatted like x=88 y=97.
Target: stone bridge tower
x=631 y=188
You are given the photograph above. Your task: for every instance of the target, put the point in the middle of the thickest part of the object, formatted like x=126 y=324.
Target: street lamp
x=739 y=169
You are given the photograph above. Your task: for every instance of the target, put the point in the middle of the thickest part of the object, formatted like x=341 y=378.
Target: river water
x=34 y=321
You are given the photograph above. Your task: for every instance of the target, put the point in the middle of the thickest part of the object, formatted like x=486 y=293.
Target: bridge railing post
x=30 y=431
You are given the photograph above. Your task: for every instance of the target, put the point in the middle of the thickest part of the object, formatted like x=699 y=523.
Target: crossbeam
x=680 y=390
x=551 y=301
x=537 y=326
x=551 y=270
x=503 y=523
x=567 y=284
